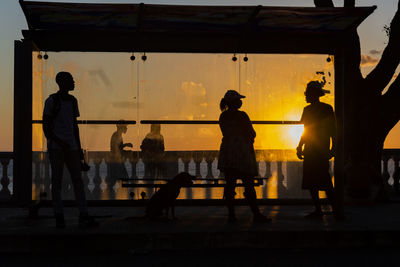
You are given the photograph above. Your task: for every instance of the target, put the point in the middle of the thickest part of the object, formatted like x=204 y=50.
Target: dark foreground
x=370 y=236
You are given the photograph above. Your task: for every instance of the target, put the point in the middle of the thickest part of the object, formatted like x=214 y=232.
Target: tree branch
x=323 y=3
x=390 y=110
x=383 y=72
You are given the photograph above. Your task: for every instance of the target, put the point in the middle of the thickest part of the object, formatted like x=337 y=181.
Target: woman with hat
x=315 y=146
x=236 y=157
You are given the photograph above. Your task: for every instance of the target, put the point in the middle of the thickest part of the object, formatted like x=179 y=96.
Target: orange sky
x=182 y=87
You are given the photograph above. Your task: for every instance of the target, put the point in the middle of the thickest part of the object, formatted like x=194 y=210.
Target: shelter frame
x=245 y=38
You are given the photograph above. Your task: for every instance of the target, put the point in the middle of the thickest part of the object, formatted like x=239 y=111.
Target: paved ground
x=202 y=236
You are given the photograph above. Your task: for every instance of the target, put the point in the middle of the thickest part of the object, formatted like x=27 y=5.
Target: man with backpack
x=61 y=130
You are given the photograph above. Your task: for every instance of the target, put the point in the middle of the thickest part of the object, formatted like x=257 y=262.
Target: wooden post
x=340 y=117
x=23 y=121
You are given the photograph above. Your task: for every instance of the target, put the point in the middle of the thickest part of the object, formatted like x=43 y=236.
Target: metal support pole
x=23 y=122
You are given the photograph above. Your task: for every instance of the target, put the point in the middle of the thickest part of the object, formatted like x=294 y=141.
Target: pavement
x=124 y=230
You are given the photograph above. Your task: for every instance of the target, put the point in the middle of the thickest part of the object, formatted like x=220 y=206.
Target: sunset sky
x=190 y=89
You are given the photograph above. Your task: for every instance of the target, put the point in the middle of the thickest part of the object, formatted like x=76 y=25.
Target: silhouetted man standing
x=319 y=129
x=64 y=147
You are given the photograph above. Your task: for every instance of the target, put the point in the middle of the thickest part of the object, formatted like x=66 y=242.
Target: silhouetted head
x=65 y=81
x=314 y=91
x=231 y=100
x=121 y=126
x=155 y=128
x=183 y=179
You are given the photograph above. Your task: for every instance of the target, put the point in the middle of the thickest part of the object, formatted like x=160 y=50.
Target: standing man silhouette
x=61 y=130
x=315 y=147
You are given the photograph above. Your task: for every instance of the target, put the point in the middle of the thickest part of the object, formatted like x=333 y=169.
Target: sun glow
x=295 y=133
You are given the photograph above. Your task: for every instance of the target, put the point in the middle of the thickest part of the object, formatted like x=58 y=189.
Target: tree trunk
x=369 y=114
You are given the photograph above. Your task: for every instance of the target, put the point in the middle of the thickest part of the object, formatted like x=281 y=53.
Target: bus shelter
x=137 y=54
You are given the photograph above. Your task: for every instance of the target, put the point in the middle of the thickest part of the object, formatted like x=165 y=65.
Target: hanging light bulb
x=328 y=59
x=39 y=56
x=45 y=56
x=245 y=59
x=144 y=57
x=133 y=57
x=234 y=58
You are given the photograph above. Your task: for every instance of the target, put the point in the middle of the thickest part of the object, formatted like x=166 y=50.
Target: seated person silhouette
x=118 y=154
x=315 y=147
x=153 y=152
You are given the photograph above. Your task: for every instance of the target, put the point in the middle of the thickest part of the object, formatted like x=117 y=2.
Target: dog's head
x=184 y=179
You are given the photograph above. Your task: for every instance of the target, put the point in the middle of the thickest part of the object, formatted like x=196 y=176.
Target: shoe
x=314 y=215
x=87 y=222
x=259 y=218
x=60 y=222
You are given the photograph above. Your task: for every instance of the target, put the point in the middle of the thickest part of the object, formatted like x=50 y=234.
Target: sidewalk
x=376 y=226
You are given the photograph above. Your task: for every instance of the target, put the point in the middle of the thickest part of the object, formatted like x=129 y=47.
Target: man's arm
x=48 y=132
x=299 y=148
x=76 y=127
x=332 y=151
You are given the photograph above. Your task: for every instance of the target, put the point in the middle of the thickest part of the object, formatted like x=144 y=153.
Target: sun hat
x=316 y=88
x=232 y=95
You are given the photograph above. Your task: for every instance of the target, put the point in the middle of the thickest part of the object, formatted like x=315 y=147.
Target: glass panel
x=109 y=86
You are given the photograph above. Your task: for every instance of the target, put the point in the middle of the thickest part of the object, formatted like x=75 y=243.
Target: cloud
x=368 y=61
x=375 y=52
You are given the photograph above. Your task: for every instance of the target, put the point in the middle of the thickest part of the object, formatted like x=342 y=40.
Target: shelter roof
x=57 y=26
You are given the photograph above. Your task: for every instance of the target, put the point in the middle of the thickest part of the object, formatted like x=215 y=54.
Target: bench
x=201 y=183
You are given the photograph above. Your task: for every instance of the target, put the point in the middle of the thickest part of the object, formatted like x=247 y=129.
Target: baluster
x=5 y=193
x=208 y=158
x=191 y=169
x=96 y=179
x=385 y=173
x=396 y=174
x=10 y=176
x=197 y=157
x=203 y=171
x=37 y=173
x=133 y=159
x=281 y=177
x=111 y=177
x=215 y=172
x=268 y=174
x=86 y=175
x=186 y=158
x=89 y=184
x=45 y=182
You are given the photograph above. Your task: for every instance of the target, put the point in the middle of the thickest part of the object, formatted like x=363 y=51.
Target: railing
x=280 y=166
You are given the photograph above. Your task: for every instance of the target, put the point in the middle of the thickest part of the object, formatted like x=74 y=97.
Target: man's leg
x=74 y=167
x=56 y=158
